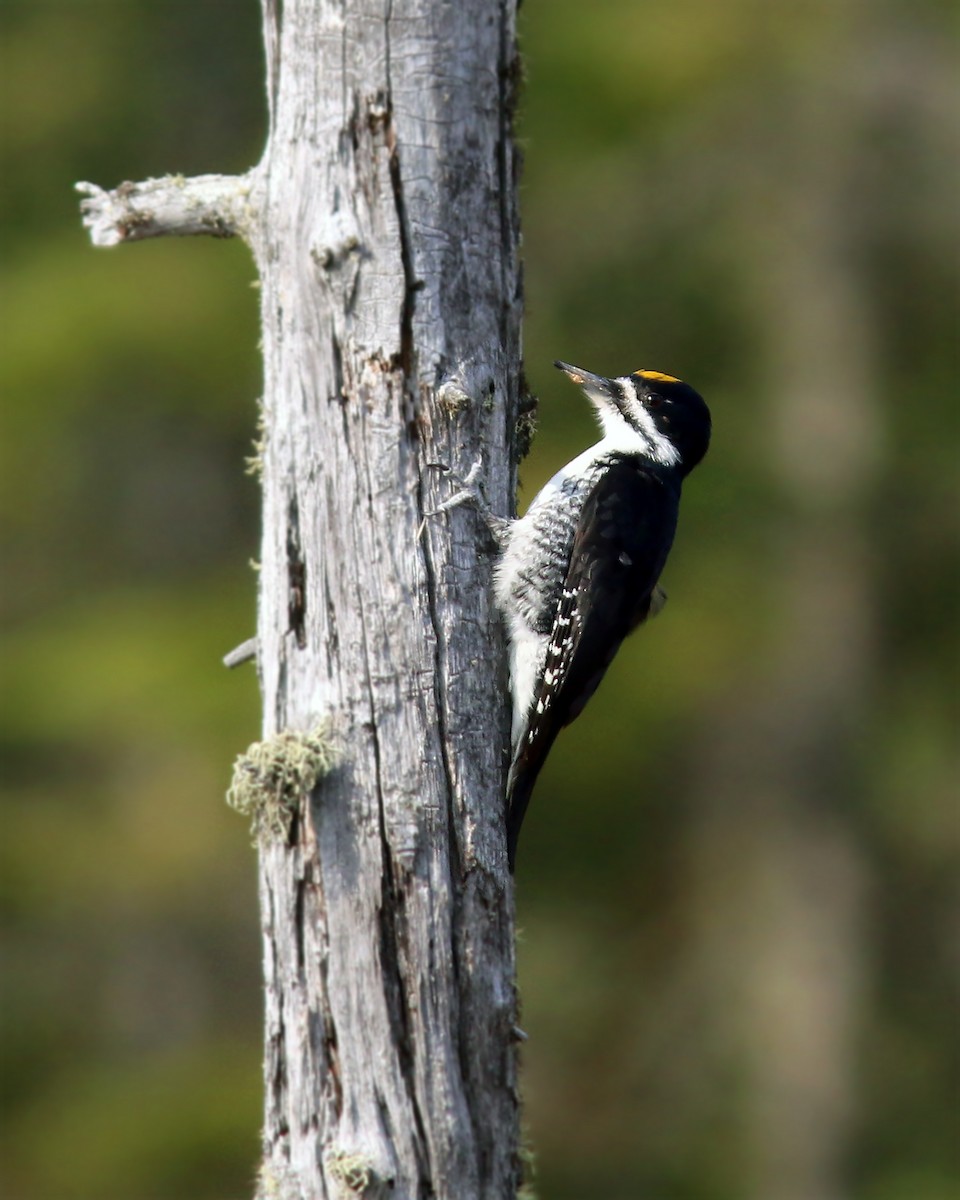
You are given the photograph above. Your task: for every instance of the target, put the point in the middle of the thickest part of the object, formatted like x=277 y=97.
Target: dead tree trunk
x=384 y=223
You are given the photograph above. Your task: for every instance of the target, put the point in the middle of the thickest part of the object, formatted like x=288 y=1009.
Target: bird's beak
x=594 y=385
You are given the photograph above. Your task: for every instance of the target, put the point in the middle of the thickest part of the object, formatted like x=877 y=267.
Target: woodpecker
x=579 y=571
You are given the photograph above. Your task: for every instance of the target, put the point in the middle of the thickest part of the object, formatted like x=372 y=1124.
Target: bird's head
x=657 y=415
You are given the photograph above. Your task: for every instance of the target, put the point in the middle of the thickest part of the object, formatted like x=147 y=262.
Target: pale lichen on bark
x=273 y=779
x=212 y=205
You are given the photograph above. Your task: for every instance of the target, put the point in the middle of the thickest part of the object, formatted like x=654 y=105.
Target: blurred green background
x=738 y=886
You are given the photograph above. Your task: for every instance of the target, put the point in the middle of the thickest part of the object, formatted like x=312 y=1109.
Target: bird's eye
x=654 y=401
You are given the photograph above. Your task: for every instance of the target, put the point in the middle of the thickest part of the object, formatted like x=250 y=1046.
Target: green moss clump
x=271 y=778
x=276 y=1183
x=353 y=1171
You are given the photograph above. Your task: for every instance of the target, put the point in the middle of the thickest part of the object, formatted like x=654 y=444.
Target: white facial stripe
x=617 y=433
x=657 y=445
x=638 y=433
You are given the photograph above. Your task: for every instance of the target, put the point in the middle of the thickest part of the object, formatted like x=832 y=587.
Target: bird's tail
x=519 y=789
x=528 y=759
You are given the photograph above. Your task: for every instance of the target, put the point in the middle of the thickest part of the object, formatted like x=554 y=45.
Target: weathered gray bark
x=389 y=270
x=383 y=220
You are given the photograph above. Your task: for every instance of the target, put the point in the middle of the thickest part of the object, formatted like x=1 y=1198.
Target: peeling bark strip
x=383 y=218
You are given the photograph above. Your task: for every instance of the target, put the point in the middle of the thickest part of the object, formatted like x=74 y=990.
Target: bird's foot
x=468 y=492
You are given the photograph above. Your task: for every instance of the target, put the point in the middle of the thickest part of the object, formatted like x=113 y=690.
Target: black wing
x=622 y=540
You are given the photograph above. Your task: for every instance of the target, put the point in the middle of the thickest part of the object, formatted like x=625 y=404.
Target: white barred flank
x=531 y=570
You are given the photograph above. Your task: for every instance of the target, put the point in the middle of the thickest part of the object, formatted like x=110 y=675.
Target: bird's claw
x=468 y=493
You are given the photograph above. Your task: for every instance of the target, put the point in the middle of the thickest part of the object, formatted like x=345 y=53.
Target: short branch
x=217 y=205
x=241 y=654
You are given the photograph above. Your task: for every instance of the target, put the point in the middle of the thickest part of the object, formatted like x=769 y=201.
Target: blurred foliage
x=737 y=885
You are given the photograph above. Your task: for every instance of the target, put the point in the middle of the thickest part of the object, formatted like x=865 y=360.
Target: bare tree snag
x=384 y=223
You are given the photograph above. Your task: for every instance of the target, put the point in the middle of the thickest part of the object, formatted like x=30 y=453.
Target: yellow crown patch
x=658 y=377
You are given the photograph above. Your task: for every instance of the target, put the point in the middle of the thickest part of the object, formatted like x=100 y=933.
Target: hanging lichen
x=272 y=777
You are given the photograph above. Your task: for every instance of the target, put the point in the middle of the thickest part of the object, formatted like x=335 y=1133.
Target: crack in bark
x=337 y=359
x=332 y=640
x=296 y=575
x=509 y=168
x=277 y=1093
x=279 y=707
x=395 y=992
x=298 y=919
x=272 y=21
x=507 y=80
x=411 y=285
x=331 y=1044
x=398 y=1011
x=454 y=856
x=440 y=700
